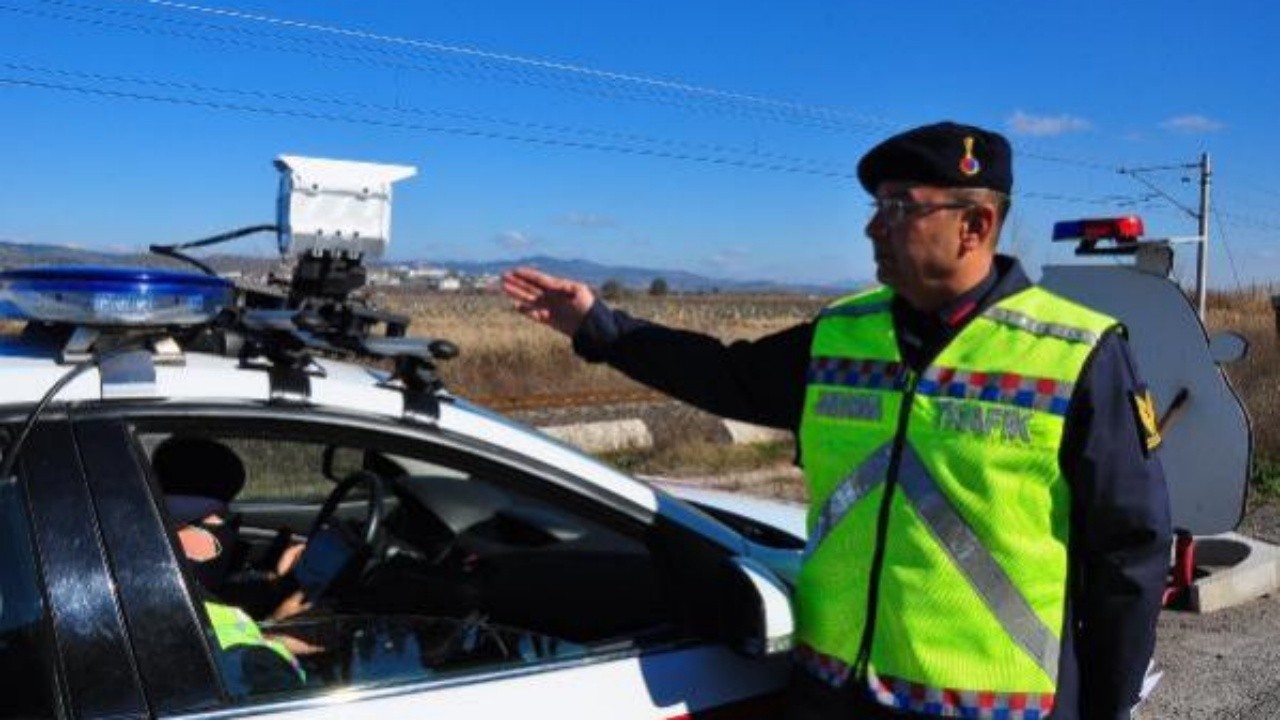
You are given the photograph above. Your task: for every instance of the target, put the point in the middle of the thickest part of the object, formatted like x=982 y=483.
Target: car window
x=465 y=573
x=24 y=641
x=279 y=468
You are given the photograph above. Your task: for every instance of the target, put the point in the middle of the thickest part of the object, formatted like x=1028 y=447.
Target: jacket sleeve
x=760 y=381
x=1120 y=532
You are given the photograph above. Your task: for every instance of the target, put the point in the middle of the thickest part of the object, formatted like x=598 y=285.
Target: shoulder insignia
x=1144 y=407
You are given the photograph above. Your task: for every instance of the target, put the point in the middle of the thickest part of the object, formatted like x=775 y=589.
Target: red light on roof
x=1129 y=228
x=1122 y=229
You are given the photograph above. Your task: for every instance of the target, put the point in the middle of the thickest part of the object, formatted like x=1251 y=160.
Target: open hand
x=297 y=646
x=556 y=302
x=296 y=604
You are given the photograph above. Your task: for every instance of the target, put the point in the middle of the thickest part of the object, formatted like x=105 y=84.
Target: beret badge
x=969 y=164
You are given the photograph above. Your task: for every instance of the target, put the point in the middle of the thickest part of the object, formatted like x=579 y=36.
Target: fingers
x=535 y=277
x=536 y=314
x=519 y=290
x=556 y=302
x=529 y=280
x=297 y=646
x=295 y=604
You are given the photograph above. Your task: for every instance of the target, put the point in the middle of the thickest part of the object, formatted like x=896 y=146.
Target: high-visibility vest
x=234 y=628
x=936 y=571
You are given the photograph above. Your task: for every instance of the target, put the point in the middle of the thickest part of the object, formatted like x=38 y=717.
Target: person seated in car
x=199 y=478
x=251 y=662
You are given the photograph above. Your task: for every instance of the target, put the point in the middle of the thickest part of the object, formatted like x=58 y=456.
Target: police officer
x=989 y=529
x=200 y=477
x=251 y=662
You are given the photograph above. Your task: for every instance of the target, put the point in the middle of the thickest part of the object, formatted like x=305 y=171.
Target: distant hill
x=14 y=254
x=636 y=277
x=23 y=254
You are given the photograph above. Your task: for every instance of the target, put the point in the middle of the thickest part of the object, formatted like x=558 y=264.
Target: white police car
x=458 y=564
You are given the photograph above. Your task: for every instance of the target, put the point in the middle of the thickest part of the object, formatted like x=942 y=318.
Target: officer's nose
x=876 y=228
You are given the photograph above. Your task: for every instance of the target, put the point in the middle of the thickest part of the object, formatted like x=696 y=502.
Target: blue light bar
x=1126 y=229
x=111 y=296
x=1068 y=230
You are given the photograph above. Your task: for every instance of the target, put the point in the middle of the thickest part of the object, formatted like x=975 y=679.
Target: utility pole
x=1202 y=218
x=1202 y=253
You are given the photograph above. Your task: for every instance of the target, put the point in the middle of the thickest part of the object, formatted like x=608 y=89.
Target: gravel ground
x=1225 y=664
x=1221 y=665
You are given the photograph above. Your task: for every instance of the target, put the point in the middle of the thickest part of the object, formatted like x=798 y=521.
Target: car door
x=608 y=672
x=63 y=640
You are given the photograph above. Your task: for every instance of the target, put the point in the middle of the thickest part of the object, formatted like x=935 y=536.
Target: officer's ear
x=977 y=227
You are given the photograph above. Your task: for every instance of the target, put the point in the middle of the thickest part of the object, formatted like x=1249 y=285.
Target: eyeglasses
x=895 y=210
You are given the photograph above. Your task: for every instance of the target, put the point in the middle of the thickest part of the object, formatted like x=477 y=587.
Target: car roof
x=29 y=369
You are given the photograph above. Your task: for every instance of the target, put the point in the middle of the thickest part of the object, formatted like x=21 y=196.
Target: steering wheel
x=367 y=542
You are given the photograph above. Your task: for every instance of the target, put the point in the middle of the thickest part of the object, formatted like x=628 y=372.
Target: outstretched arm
x=760 y=381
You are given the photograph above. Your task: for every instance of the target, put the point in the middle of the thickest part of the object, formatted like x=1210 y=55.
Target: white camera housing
x=336 y=206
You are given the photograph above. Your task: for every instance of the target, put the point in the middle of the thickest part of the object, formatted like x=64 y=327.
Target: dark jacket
x=1120 y=509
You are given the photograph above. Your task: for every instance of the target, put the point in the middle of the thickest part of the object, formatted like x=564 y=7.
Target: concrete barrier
x=634 y=434
x=741 y=433
x=1234 y=569
x=604 y=436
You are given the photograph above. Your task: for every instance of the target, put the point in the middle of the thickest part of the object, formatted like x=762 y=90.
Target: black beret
x=943 y=155
x=198 y=467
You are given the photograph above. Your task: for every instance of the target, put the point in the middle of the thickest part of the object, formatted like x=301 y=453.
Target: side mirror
x=1228 y=347
x=758 y=616
x=338 y=462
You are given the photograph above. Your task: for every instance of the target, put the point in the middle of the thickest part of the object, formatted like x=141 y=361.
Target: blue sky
x=717 y=136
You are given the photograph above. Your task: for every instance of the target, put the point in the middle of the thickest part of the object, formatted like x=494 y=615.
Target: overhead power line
x=1231 y=261
x=402 y=53
x=1118 y=201
x=713 y=148
x=611 y=84
x=732 y=157
x=583 y=70
x=1250 y=221
x=1087 y=164
x=1137 y=174
x=423 y=127
x=413 y=62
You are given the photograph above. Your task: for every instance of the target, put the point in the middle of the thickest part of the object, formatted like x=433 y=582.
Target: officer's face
x=915 y=235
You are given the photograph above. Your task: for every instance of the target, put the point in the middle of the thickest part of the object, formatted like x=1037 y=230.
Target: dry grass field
x=1257 y=377
x=504 y=355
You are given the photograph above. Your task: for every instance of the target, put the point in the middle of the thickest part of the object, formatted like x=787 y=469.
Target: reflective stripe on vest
x=954 y=534
x=975 y=516
x=984 y=573
x=1036 y=327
